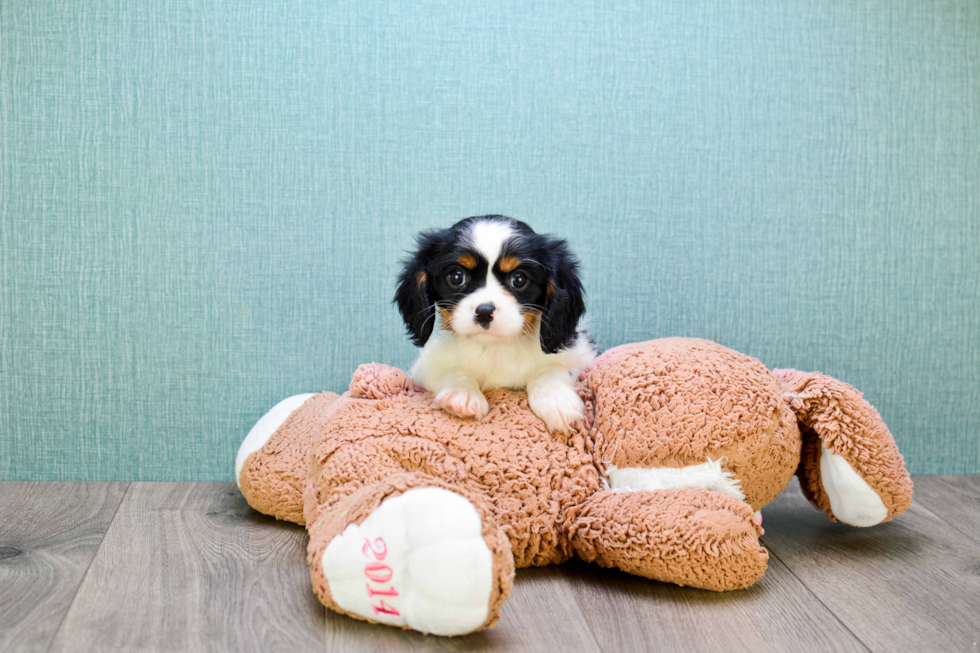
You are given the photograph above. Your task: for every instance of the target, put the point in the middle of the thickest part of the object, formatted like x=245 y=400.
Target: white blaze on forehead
x=488 y=237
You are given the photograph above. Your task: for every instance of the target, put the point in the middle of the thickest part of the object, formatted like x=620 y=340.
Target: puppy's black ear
x=414 y=294
x=564 y=300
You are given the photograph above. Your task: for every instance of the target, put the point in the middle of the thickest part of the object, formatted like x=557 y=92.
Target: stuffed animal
x=418 y=518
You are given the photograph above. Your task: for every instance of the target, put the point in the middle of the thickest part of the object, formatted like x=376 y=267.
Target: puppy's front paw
x=465 y=403
x=558 y=406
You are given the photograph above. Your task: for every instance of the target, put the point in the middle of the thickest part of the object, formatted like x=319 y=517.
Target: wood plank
x=628 y=613
x=909 y=585
x=539 y=615
x=190 y=567
x=954 y=499
x=49 y=533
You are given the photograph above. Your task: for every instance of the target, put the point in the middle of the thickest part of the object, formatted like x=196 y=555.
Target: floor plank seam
x=881 y=583
x=918 y=503
x=583 y=612
x=54 y=634
x=820 y=601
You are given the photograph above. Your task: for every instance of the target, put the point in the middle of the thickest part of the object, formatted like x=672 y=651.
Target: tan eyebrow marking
x=509 y=263
x=468 y=261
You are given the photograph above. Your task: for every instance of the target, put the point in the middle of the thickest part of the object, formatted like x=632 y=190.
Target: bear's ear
x=564 y=301
x=377 y=381
x=414 y=295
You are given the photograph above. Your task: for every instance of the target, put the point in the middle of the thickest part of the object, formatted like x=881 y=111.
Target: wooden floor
x=190 y=567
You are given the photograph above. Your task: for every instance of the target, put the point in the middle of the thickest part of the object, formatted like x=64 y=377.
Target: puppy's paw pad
x=559 y=407
x=464 y=403
x=419 y=560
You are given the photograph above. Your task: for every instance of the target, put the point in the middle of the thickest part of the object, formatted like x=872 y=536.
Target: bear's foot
x=273 y=462
x=418 y=560
x=852 y=500
x=850 y=466
x=265 y=427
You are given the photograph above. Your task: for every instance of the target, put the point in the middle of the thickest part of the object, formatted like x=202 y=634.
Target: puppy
x=508 y=303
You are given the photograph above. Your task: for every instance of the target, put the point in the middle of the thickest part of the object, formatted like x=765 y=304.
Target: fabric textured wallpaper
x=202 y=204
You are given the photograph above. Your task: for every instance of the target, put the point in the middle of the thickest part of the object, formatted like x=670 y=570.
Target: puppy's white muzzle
x=470 y=318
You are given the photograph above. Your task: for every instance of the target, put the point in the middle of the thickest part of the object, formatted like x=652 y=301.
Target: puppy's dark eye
x=518 y=280
x=456 y=278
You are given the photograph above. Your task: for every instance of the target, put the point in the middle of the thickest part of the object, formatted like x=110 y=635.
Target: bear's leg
x=412 y=551
x=690 y=537
x=850 y=466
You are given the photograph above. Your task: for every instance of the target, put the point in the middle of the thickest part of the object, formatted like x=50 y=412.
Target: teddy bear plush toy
x=418 y=518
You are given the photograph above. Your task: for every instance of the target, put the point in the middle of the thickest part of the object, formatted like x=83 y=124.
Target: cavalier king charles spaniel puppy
x=508 y=303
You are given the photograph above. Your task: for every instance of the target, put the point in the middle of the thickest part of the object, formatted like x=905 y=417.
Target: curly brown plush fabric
x=687 y=400
x=274 y=477
x=688 y=537
x=659 y=405
x=525 y=473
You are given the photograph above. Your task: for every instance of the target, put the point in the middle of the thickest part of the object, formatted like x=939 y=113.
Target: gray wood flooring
x=190 y=567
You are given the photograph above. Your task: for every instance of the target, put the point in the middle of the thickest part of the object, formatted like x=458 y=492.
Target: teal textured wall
x=203 y=203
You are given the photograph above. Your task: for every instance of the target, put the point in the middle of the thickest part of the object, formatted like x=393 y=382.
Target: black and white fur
x=507 y=303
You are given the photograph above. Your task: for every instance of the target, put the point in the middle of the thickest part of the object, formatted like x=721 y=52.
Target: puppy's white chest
x=498 y=365
x=489 y=364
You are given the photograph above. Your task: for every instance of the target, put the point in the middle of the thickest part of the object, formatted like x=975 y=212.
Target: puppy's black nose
x=484 y=314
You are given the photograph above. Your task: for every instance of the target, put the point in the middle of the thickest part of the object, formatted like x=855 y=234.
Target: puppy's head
x=491 y=278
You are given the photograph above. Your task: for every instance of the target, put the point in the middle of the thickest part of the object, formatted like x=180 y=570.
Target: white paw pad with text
x=419 y=560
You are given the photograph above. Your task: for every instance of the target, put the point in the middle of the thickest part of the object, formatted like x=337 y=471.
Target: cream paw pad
x=419 y=560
